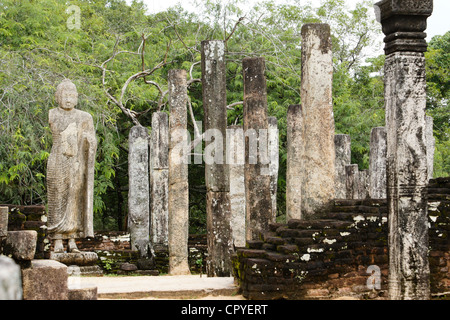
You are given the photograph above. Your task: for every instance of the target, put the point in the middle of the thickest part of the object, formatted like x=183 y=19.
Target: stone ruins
x=375 y=233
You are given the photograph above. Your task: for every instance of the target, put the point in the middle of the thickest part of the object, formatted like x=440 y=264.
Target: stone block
x=10 y=280
x=16 y=221
x=20 y=245
x=45 y=280
x=88 y=293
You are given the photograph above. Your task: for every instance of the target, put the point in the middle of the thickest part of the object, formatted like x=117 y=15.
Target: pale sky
x=438 y=23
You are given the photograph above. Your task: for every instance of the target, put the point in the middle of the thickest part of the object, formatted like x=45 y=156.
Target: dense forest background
x=118 y=55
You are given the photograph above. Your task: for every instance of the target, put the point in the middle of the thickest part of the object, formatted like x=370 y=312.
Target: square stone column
x=377 y=163
x=318 y=161
x=159 y=179
x=294 y=166
x=404 y=23
x=257 y=174
x=235 y=160
x=218 y=211
x=342 y=143
x=138 y=194
x=178 y=174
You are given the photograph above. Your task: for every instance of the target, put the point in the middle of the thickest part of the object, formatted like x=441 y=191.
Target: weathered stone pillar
x=138 y=194
x=294 y=168
x=377 y=163
x=3 y=222
x=178 y=174
x=318 y=162
x=404 y=23
x=257 y=180
x=236 y=160
x=274 y=154
x=342 y=144
x=159 y=179
x=362 y=184
x=218 y=211
x=431 y=146
x=351 y=181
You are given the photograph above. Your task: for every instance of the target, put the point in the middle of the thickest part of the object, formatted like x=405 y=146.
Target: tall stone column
x=431 y=146
x=257 y=180
x=294 y=168
x=218 y=211
x=404 y=23
x=342 y=144
x=235 y=160
x=138 y=194
x=318 y=162
x=351 y=181
x=274 y=165
x=159 y=179
x=178 y=174
x=377 y=163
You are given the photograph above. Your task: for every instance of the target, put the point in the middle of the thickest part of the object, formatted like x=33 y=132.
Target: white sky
x=438 y=23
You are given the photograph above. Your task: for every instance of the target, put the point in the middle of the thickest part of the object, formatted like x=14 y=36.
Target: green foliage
x=438 y=90
x=38 y=50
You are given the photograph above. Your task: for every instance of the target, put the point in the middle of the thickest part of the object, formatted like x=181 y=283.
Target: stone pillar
x=178 y=174
x=377 y=163
x=431 y=146
x=362 y=184
x=274 y=162
x=159 y=179
x=10 y=280
x=3 y=222
x=342 y=145
x=235 y=160
x=404 y=23
x=351 y=181
x=318 y=162
x=294 y=168
x=218 y=212
x=257 y=180
x=138 y=194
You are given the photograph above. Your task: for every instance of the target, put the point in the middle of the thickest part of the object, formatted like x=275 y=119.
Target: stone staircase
x=339 y=254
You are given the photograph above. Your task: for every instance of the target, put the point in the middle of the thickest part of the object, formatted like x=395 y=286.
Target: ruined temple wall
x=323 y=259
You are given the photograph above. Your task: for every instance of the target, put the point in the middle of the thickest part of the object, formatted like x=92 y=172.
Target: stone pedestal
x=83 y=263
